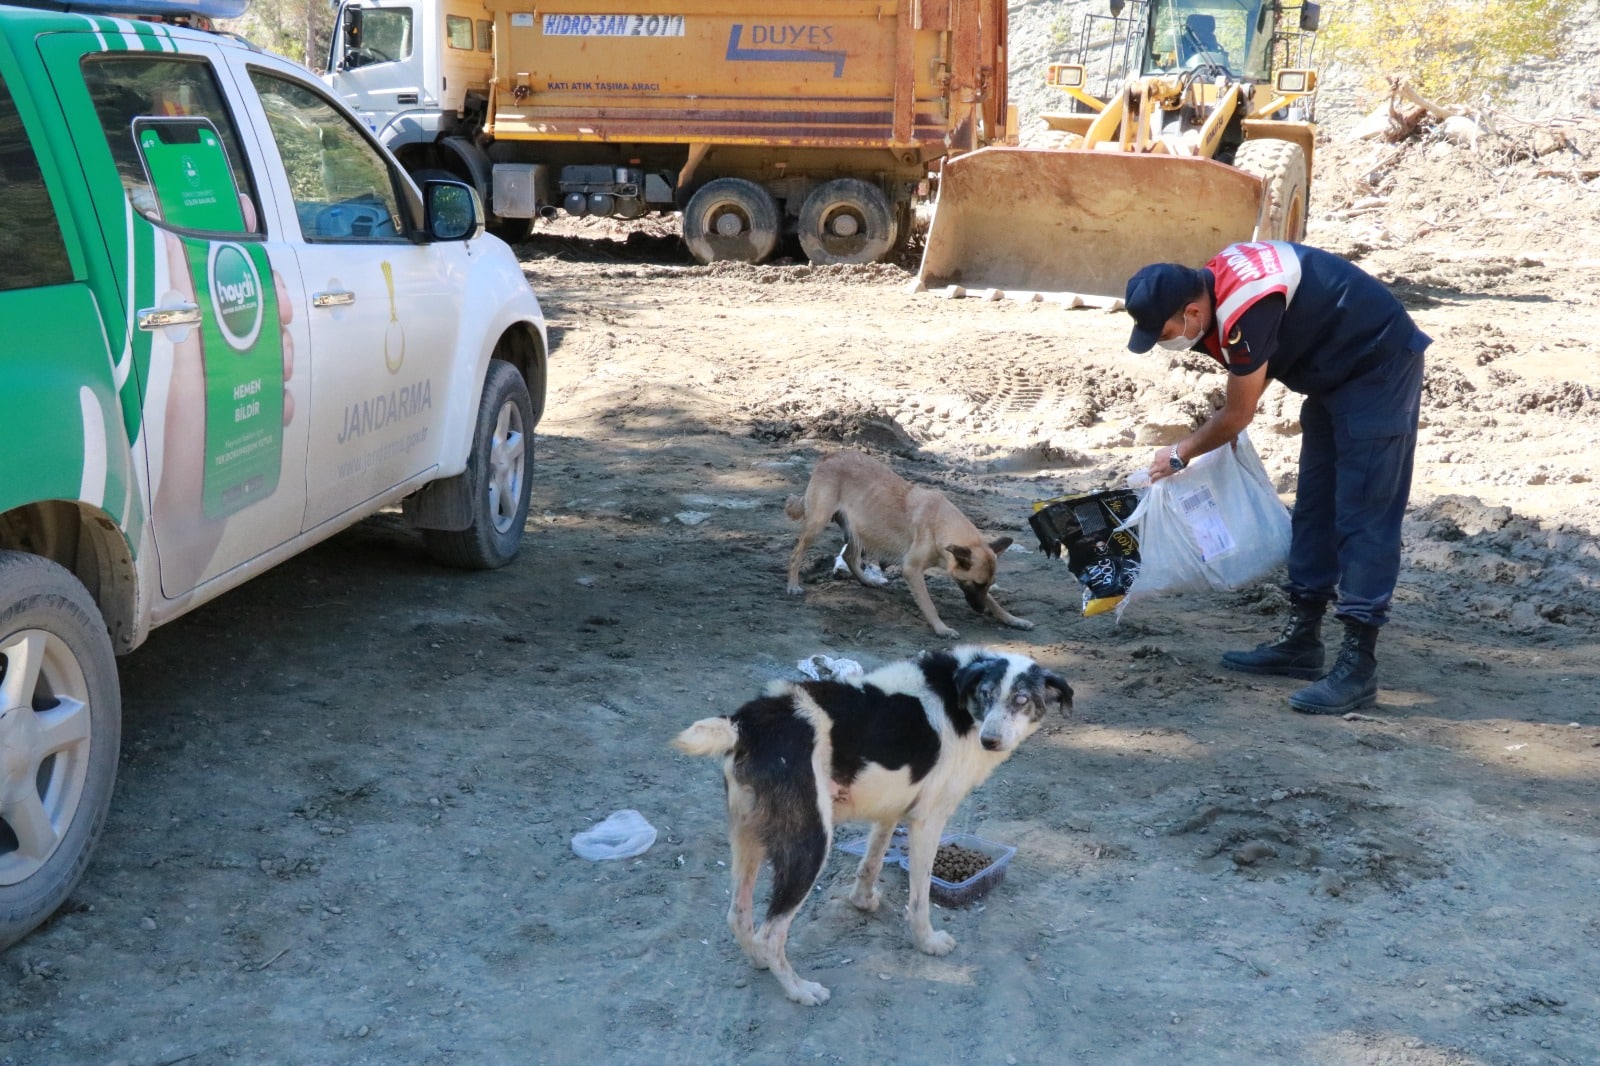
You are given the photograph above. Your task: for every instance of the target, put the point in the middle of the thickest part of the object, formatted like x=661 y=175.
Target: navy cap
x=1155 y=294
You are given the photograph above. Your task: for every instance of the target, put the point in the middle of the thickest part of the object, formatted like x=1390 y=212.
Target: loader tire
x=1057 y=140
x=847 y=220
x=731 y=218
x=1281 y=166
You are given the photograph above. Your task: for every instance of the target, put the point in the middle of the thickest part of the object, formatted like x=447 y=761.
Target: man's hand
x=1238 y=409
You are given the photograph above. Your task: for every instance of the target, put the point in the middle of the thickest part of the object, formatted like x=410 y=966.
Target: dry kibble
x=954 y=863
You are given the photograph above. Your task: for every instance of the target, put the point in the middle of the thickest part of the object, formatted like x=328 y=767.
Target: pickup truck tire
x=499 y=467
x=731 y=218
x=60 y=731
x=847 y=220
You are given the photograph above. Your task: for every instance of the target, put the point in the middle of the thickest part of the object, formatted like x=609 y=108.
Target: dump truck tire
x=1281 y=166
x=847 y=221
x=731 y=218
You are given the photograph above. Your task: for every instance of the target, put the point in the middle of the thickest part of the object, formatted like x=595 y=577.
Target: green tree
x=298 y=29
x=1452 y=50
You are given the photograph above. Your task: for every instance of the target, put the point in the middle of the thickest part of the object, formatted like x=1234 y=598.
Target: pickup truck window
x=126 y=88
x=31 y=246
x=343 y=188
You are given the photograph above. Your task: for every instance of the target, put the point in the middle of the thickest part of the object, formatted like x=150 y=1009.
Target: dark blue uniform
x=1336 y=335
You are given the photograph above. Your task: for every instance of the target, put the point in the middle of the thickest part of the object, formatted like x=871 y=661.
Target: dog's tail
x=708 y=736
x=795 y=507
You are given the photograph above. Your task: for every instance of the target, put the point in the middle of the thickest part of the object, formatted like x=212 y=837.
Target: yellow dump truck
x=1191 y=129
x=757 y=119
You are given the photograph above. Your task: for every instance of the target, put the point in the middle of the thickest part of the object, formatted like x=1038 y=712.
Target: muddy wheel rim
x=44 y=749
x=507 y=467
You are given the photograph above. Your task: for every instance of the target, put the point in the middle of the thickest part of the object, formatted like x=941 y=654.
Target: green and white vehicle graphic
x=235 y=328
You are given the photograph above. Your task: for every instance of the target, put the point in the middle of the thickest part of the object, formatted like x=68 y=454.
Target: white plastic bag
x=822 y=668
x=1215 y=526
x=621 y=836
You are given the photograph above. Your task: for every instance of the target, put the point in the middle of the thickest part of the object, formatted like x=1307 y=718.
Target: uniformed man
x=1328 y=330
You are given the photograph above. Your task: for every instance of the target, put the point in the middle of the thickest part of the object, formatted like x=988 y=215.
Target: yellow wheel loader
x=1192 y=128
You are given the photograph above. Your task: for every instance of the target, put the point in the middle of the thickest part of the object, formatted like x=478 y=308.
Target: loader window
x=458 y=32
x=1188 y=35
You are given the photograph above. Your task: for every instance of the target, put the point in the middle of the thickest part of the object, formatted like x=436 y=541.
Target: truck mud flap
x=1073 y=225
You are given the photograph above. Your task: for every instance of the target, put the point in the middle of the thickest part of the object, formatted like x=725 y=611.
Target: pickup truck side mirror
x=453 y=211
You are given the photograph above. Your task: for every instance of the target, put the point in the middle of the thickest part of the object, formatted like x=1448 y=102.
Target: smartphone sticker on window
x=189 y=173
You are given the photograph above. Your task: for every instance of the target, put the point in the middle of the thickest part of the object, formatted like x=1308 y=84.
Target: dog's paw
x=1019 y=623
x=936 y=942
x=866 y=901
x=871 y=575
x=807 y=993
x=946 y=632
x=795 y=590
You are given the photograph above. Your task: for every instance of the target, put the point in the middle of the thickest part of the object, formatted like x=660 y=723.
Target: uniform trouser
x=1356 y=450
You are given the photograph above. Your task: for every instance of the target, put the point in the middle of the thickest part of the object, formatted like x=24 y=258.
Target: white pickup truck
x=234 y=327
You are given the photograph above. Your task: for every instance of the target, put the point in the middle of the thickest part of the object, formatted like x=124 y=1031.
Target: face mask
x=1181 y=343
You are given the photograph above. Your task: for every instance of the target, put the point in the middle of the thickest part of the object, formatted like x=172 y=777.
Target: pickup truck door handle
x=154 y=318
x=336 y=298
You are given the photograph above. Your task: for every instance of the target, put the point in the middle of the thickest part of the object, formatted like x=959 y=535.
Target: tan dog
x=886 y=517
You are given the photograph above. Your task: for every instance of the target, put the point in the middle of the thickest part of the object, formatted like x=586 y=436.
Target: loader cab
x=1248 y=40
x=1210 y=38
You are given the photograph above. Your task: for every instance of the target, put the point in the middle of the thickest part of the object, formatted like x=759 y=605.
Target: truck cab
x=411 y=69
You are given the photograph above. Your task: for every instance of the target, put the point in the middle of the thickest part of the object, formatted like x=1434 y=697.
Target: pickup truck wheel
x=731 y=218
x=501 y=460
x=60 y=729
x=847 y=220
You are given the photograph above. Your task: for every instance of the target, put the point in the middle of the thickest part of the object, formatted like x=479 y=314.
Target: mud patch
x=1340 y=842
x=870 y=428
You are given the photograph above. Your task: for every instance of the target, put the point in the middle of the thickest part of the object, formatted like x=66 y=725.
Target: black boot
x=1296 y=653
x=1350 y=684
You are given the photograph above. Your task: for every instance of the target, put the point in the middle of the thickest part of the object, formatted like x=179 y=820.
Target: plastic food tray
x=946 y=893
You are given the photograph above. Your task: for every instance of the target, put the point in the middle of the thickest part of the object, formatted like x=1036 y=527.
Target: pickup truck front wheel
x=499 y=469
x=60 y=729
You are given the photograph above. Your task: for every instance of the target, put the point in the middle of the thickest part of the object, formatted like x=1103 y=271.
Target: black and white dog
x=905 y=742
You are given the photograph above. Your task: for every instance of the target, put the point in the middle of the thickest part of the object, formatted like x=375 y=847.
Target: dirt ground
x=348 y=790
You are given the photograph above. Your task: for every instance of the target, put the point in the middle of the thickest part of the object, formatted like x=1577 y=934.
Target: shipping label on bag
x=1204 y=516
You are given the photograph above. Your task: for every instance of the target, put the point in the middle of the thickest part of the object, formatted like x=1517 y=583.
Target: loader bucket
x=1069 y=223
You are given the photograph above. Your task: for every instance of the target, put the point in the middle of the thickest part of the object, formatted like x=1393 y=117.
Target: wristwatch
x=1175 y=461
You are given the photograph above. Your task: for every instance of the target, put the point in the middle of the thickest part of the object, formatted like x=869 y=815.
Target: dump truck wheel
x=731 y=218
x=1281 y=165
x=847 y=221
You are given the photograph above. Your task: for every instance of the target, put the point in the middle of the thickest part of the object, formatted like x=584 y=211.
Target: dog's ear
x=962 y=555
x=999 y=544
x=1062 y=691
x=971 y=677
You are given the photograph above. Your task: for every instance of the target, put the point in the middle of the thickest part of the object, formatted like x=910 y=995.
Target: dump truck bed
x=788 y=73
